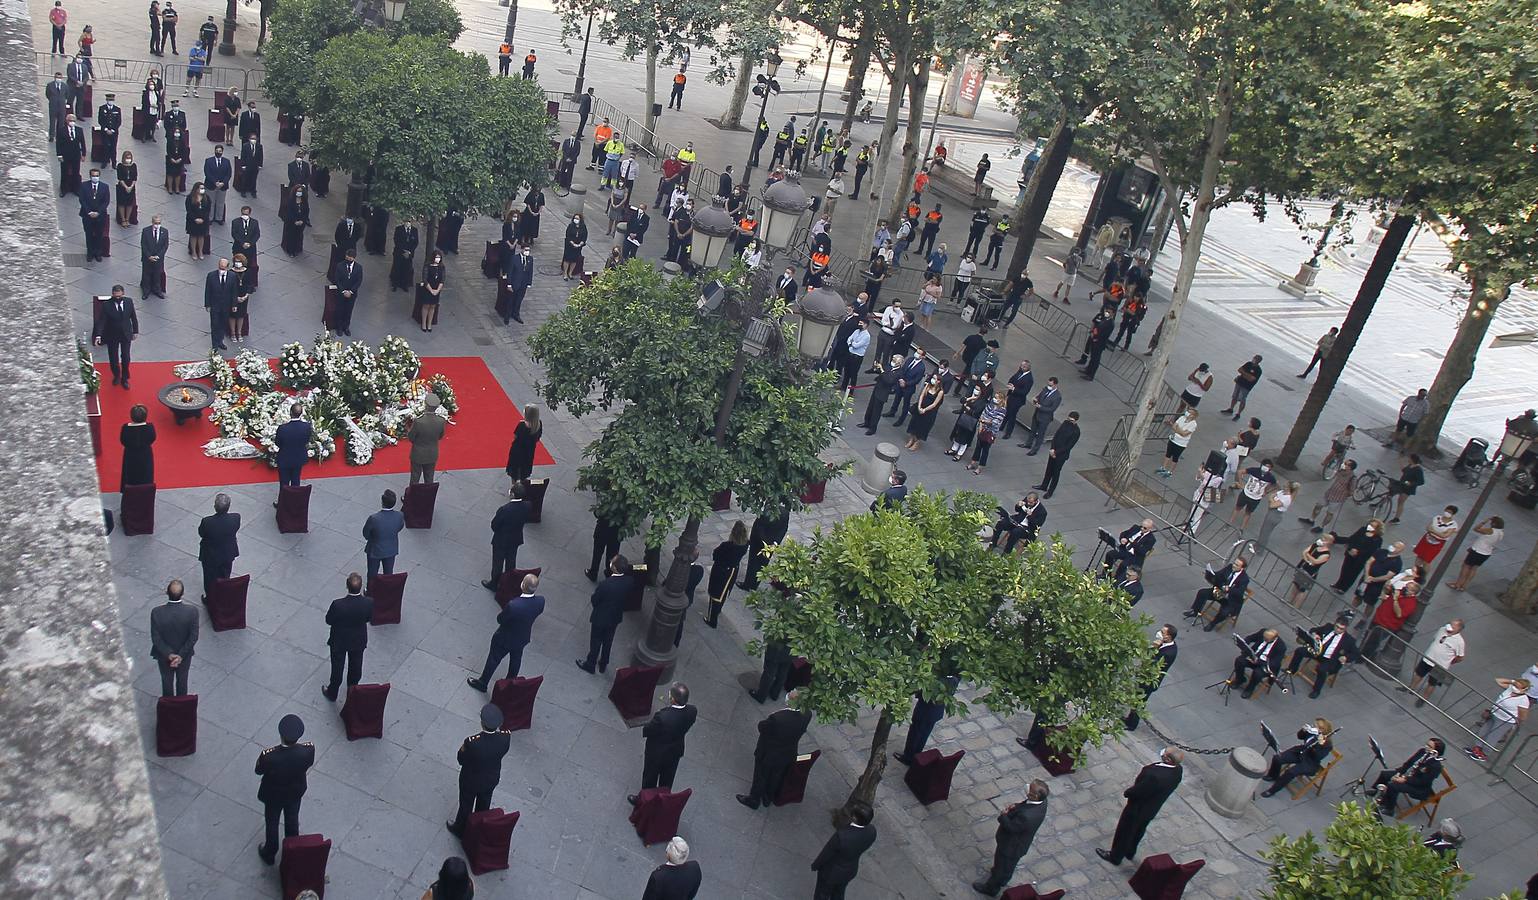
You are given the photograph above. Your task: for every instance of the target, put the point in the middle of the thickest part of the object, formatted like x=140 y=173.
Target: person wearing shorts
x=1446 y=648
x=1181 y=430
x=1487 y=535
x=1197 y=385
x=1247 y=376
x=1257 y=480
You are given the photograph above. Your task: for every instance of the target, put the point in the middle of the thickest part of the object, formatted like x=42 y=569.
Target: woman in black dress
x=296 y=218
x=176 y=161
x=429 y=291
x=926 y=408
x=725 y=562
x=448 y=231
x=576 y=240
x=520 y=456
x=1360 y=547
x=153 y=101
x=528 y=223
x=231 y=110
x=965 y=428
x=240 y=310
x=137 y=437
x=320 y=180
x=199 y=208
x=376 y=221
x=127 y=190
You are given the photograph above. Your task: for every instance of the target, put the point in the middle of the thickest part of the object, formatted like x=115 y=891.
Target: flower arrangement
x=90 y=379
x=350 y=394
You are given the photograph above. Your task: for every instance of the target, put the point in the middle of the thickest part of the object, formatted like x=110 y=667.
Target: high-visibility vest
x=782 y=136
x=687 y=156
x=614 y=148
x=602 y=133
x=800 y=140
x=827 y=144
x=863 y=159
x=747 y=225
x=506 y=50
x=913 y=210
x=820 y=260
x=679 y=78
x=934 y=216
x=1002 y=227
x=530 y=59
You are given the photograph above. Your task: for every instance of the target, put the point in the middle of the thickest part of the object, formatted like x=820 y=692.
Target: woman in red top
x=1392 y=612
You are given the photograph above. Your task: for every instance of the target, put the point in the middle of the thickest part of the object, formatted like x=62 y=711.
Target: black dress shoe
x=982 y=888
x=633 y=799
x=116 y=379
x=902 y=759
x=268 y=858
x=1033 y=452
x=476 y=683
x=1247 y=694
x=1210 y=626
x=1106 y=855
x=747 y=801
x=757 y=697
x=125 y=384
x=452 y=830
x=1270 y=792
x=328 y=693
x=1022 y=742
x=591 y=575
x=582 y=664
x=489 y=585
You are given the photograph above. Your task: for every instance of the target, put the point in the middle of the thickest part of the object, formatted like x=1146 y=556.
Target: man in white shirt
x=1446 y=647
x=1503 y=717
x=891 y=320
x=1257 y=480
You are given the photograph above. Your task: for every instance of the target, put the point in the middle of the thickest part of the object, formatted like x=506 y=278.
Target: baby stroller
x=1471 y=463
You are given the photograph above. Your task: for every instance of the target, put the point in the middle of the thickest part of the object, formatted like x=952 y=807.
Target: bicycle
x=1375 y=488
x=1332 y=462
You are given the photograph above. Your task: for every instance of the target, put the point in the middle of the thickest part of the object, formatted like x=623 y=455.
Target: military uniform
x=480 y=767
x=283 y=771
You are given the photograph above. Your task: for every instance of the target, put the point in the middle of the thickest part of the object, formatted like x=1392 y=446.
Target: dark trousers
x=925 y=717
x=354 y=660
x=376 y=564
x=218 y=326
x=603 y=551
x=927 y=240
x=1004 y=865
x=168 y=36
x=658 y=772
x=1132 y=719
x=771 y=684
x=859 y=178
x=851 y=375
x=1050 y=476
x=149 y=278
x=118 y=356
x=1015 y=534
x=1284 y=768
x=503 y=561
x=1039 y=428
x=95 y=232
x=290 y=813
x=902 y=402
x=516 y=304
x=57 y=44
x=1011 y=418
x=974 y=242
x=1130 y=829
x=828 y=889
x=154 y=37
x=766 y=781
x=676 y=101
x=503 y=64
x=212 y=571
x=1326 y=668
x=599 y=640
x=289 y=475
x=342 y=320
x=995 y=251
x=173 y=682
x=1313 y=362
x=873 y=408
x=1388 y=792
x=1095 y=352
x=1242 y=666
x=1128 y=329
x=471 y=801
x=494 y=656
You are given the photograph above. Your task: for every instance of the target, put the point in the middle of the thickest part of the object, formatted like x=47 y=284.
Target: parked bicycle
x=1374 y=488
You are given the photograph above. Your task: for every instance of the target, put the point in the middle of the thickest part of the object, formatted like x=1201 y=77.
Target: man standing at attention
x=217 y=547
x=608 y=603
x=426 y=431
x=1154 y=785
x=381 y=535
x=1018 y=825
x=480 y=767
x=293 y=440
x=283 y=771
x=515 y=626
x=218 y=297
x=839 y=861
x=507 y=535
x=665 y=740
x=173 y=633
x=779 y=737
x=349 y=618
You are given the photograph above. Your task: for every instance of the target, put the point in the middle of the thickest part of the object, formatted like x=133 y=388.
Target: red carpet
x=478 y=439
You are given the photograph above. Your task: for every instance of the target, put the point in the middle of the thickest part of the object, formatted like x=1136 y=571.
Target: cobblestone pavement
x=381 y=801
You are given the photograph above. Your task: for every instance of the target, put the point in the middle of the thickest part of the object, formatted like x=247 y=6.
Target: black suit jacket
x=110 y=118
x=480 y=760
x=250 y=125
x=1166 y=659
x=1154 y=785
x=1345 y=647
x=1273 y=659
x=348 y=233
x=299 y=172
x=66 y=147
x=217 y=295
x=349 y=617
x=1142 y=544
x=1018 y=826
x=1233 y=594
x=665 y=732
x=668 y=882
x=245 y=232
x=507 y=525
x=1020 y=385
x=515 y=623
x=283 y=769
x=839 y=860
x=609 y=600
x=779 y=736
x=114 y=324
x=1420 y=771
x=349 y=276
x=1133 y=589
x=216 y=538
x=151 y=244
x=173 y=630
x=1063 y=439
x=406 y=238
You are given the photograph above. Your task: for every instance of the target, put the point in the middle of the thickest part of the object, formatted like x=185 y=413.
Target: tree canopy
x=1360 y=857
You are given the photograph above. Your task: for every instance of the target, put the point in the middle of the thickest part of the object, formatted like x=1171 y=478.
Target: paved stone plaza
x=383 y=802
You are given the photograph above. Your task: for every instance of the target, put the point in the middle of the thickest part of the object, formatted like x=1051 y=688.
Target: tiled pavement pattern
x=383 y=801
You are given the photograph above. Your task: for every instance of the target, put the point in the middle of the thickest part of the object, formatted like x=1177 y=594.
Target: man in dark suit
x=217 y=546
x=1336 y=648
x=217 y=175
x=1154 y=785
x=1020 y=384
x=218 y=297
x=348 y=233
x=251 y=123
x=293 y=440
x=58 y=97
x=1165 y=652
x=838 y=349
x=1063 y=440
x=480 y=767
x=173 y=633
x=1131 y=584
x=507 y=535
x=115 y=329
x=299 y=170
x=1415 y=777
x=678 y=878
x=518 y=272
x=349 y=280
x=1229 y=586
x=95 y=203
x=1132 y=547
x=765 y=531
x=283 y=771
x=779 y=737
x=608 y=603
x=909 y=377
x=1018 y=824
x=154 y=240
x=381 y=536
x=786 y=287
x=244 y=234
x=839 y=860
x=349 y=619
x=927 y=713
x=1267 y=650
x=883 y=387
x=777 y=665
x=403 y=265
x=1043 y=409
x=894 y=495
x=78 y=75
x=515 y=626
x=1024 y=524
x=665 y=740
x=109 y=117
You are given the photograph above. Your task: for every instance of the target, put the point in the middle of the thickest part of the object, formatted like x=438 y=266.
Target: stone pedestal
x=1301 y=285
x=1231 y=793
x=878 y=471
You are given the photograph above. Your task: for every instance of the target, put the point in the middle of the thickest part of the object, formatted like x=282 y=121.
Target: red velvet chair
x=294 y=509
x=640 y=577
x=288 y=129
x=226 y=604
x=800 y=673
x=387 y=591
x=793 y=788
x=488 y=839
x=1056 y=762
x=721 y=501
x=1161 y=878
x=98 y=147
x=930 y=775
x=137 y=515
x=510 y=584
x=1028 y=892
x=176 y=726
x=363 y=713
x=328 y=306
x=491 y=261
x=303 y=867
x=515 y=697
x=215 y=131
x=656 y=814
x=417 y=507
x=632 y=691
x=814 y=491
x=534 y=495
x=141 y=125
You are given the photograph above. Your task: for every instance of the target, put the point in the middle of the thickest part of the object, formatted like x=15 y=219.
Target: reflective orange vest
x=602 y=133
x=747 y=225
x=506 y=50
x=679 y=78
x=530 y=59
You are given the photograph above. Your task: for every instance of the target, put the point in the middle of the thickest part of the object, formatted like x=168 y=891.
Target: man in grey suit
x=154 y=241
x=173 y=633
x=1018 y=825
x=426 y=431
x=218 y=297
x=57 y=93
x=217 y=547
x=381 y=535
x=1043 y=408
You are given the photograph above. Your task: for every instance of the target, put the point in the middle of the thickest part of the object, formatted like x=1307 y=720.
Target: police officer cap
x=290 y=728
x=491 y=717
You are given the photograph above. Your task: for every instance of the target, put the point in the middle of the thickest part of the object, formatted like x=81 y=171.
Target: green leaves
x=1361 y=857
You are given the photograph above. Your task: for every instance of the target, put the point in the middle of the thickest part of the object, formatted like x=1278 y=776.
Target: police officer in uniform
x=980 y=222
x=996 y=242
x=109 y=117
x=283 y=771
x=480 y=767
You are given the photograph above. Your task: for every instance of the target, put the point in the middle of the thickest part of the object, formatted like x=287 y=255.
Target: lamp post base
x=227 y=40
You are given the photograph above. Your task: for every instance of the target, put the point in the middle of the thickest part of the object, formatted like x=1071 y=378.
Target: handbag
x=966 y=421
x=986 y=436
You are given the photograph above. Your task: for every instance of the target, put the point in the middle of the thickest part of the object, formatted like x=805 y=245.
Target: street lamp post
x=765 y=87
x=784 y=203
x=582 y=63
x=512 y=19
x=227 y=40
x=1521 y=434
x=716 y=226
x=817 y=317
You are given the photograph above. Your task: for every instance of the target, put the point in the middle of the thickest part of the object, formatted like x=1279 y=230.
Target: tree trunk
x=918 y=84
x=855 y=83
x=651 y=100
x=1522 y=595
x=732 y=116
x=884 y=158
x=865 y=788
x=430 y=241
x=1190 y=254
x=822 y=92
x=1458 y=365
x=512 y=22
x=1331 y=367
x=1038 y=194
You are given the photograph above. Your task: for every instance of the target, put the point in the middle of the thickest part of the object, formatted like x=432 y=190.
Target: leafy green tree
x=1361 y=857
x=891 y=603
x=437 y=129
x=756 y=29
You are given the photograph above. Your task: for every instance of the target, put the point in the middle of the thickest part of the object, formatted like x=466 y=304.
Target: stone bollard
x=878 y=472
x=1234 y=789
